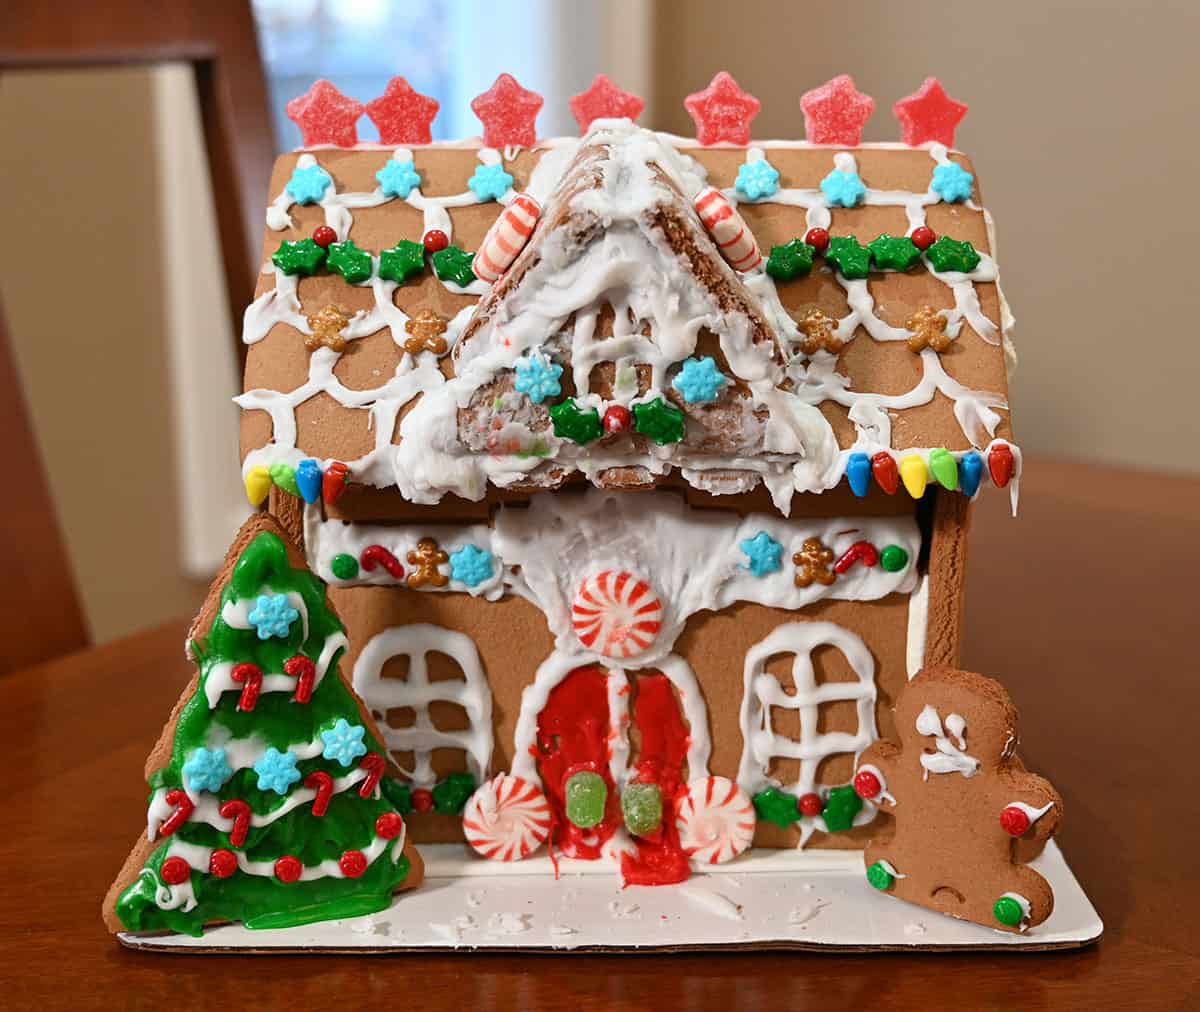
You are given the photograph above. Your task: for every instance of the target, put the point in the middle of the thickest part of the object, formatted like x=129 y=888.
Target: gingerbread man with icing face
x=967 y=813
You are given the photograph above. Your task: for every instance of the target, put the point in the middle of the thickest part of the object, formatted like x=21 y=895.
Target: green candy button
x=880 y=877
x=893 y=558
x=1008 y=911
x=343 y=566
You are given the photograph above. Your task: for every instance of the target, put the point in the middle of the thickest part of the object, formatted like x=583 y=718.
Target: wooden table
x=1085 y=606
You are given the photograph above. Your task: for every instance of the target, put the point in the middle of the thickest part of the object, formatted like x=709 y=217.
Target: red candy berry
x=422 y=800
x=866 y=784
x=323 y=235
x=923 y=237
x=288 y=868
x=223 y=863
x=809 y=804
x=1014 y=821
x=616 y=418
x=389 y=825
x=353 y=863
x=435 y=240
x=175 y=871
x=818 y=239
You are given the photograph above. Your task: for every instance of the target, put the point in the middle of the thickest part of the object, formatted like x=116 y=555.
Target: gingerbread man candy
x=967 y=813
x=812 y=563
x=426 y=557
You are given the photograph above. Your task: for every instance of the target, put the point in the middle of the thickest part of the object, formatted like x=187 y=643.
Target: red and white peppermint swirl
x=728 y=229
x=616 y=613
x=506 y=238
x=715 y=820
x=507 y=818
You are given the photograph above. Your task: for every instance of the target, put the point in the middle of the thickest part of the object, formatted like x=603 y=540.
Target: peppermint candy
x=715 y=820
x=728 y=229
x=507 y=818
x=505 y=239
x=616 y=613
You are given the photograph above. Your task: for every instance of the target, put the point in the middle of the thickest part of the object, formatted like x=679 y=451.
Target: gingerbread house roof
x=786 y=373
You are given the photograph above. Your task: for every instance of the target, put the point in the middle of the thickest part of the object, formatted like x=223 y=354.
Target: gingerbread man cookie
x=967 y=814
x=812 y=563
x=426 y=557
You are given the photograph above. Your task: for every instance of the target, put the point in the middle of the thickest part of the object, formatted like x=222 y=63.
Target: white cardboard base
x=766 y=899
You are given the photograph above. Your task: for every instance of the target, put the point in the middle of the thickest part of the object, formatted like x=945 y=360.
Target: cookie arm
x=881 y=758
x=1041 y=804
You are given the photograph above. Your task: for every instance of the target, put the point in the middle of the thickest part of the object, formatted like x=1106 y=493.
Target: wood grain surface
x=1084 y=606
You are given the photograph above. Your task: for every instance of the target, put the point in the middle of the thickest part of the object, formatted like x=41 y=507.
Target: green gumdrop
x=841 y=807
x=343 y=566
x=284 y=475
x=774 y=805
x=879 y=876
x=587 y=795
x=944 y=468
x=893 y=558
x=641 y=805
x=1008 y=911
x=451 y=794
x=398 y=793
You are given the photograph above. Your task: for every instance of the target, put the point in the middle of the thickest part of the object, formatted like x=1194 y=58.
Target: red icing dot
x=353 y=863
x=836 y=112
x=722 y=111
x=1014 y=821
x=288 y=868
x=435 y=240
x=809 y=804
x=616 y=418
x=507 y=112
x=866 y=784
x=603 y=100
x=402 y=114
x=817 y=238
x=223 y=863
x=326 y=116
x=929 y=114
x=389 y=825
x=323 y=235
x=422 y=800
x=923 y=237
x=175 y=871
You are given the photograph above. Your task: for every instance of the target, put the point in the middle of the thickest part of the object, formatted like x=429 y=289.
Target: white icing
x=220 y=676
x=890 y=868
x=883 y=796
x=918 y=627
x=951 y=743
x=1033 y=814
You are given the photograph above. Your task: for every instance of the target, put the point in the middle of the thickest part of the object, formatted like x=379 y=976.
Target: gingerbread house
x=639 y=468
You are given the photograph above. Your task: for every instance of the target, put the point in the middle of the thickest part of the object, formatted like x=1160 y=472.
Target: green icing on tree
x=571 y=423
x=953 y=255
x=852 y=258
x=276 y=720
x=774 y=805
x=840 y=808
x=352 y=263
x=404 y=260
x=451 y=794
x=661 y=421
x=454 y=264
x=894 y=253
x=791 y=260
x=302 y=257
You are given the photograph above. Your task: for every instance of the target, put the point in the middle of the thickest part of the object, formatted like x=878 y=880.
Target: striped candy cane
x=506 y=237
x=729 y=231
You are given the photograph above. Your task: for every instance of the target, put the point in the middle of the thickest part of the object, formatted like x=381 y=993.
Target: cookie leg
x=1026 y=900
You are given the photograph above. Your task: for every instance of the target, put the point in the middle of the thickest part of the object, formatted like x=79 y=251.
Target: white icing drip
x=890 y=868
x=1033 y=814
x=951 y=742
x=918 y=628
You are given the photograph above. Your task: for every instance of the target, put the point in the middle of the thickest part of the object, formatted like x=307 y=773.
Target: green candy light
x=284 y=475
x=944 y=468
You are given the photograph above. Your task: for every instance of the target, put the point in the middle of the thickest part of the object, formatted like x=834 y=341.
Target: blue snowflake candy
x=952 y=182
x=471 y=565
x=842 y=188
x=344 y=742
x=537 y=377
x=308 y=184
x=757 y=179
x=398 y=179
x=490 y=182
x=699 y=380
x=276 y=771
x=272 y=615
x=207 y=769
x=764 y=552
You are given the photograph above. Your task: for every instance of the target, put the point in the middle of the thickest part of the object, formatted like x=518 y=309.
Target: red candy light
x=1014 y=821
x=373 y=764
x=617 y=418
x=333 y=482
x=422 y=800
x=1001 y=464
x=402 y=114
x=389 y=825
x=507 y=112
x=374 y=556
x=866 y=784
x=288 y=868
x=817 y=238
x=353 y=863
x=239 y=812
x=249 y=676
x=435 y=240
x=175 y=871
x=326 y=116
x=928 y=114
x=322 y=783
x=722 y=112
x=304 y=671
x=223 y=863
x=809 y=804
x=604 y=100
x=923 y=237
x=836 y=112
x=887 y=475
x=860 y=551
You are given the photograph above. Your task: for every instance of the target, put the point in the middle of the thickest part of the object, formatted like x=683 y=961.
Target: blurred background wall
x=1080 y=127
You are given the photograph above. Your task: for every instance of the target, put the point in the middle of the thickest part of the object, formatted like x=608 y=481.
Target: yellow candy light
x=258 y=484
x=914 y=474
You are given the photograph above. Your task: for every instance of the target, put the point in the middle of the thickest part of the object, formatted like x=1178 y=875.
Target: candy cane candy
x=304 y=671
x=374 y=764
x=376 y=555
x=728 y=229
x=183 y=805
x=322 y=783
x=860 y=551
x=505 y=239
x=239 y=812
x=715 y=820
x=249 y=677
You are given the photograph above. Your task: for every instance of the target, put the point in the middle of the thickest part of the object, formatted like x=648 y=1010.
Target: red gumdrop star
x=507 y=112
x=402 y=114
x=929 y=114
x=835 y=112
x=604 y=100
x=326 y=116
x=722 y=111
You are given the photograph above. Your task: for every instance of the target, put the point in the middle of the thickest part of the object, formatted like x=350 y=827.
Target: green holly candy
x=451 y=794
x=894 y=253
x=893 y=558
x=1008 y=911
x=403 y=261
x=659 y=420
x=774 y=805
x=571 y=423
x=840 y=808
x=302 y=257
x=454 y=264
x=879 y=876
x=641 y=806
x=343 y=566
x=791 y=260
x=284 y=475
x=352 y=263
x=852 y=258
x=952 y=255
x=586 y=798
x=398 y=794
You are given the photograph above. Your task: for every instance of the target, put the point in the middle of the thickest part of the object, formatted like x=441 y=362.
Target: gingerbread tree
x=265 y=803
